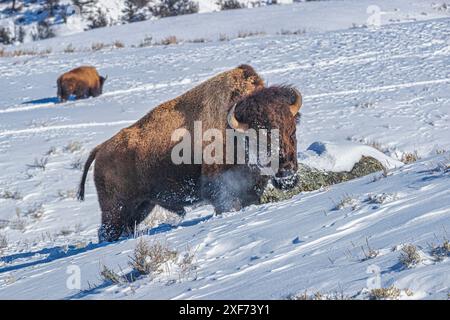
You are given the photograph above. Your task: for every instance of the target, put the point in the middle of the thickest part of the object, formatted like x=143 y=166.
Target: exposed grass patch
x=69 y=49
x=170 y=40
x=369 y=252
x=389 y=293
x=150 y=258
x=8 y=194
x=3 y=241
x=441 y=251
x=284 y=32
x=99 y=46
x=111 y=276
x=409 y=157
x=246 y=34
x=73 y=146
x=67 y=194
x=77 y=164
x=118 y=44
x=39 y=163
x=410 y=257
x=345 y=202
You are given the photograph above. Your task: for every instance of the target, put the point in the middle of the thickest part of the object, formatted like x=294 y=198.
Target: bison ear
x=296 y=102
x=234 y=123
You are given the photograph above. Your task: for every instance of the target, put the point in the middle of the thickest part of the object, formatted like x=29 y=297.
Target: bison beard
x=134 y=171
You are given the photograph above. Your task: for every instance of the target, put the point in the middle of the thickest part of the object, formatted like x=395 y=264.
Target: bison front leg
x=112 y=225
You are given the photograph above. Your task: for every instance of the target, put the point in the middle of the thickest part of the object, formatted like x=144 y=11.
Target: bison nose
x=285 y=179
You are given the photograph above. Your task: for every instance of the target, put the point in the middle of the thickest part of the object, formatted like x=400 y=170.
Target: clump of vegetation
x=310 y=179
x=18 y=223
x=36 y=212
x=111 y=276
x=410 y=256
x=151 y=258
x=3 y=241
x=409 y=157
x=98 y=20
x=98 y=46
x=76 y=164
x=285 y=32
x=334 y=295
x=39 y=163
x=170 y=8
x=73 y=146
x=167 y=41
x=187 y=264
x=229 y=4
x=68 y=194
x=441 y=251
x=8 y=194
x=246 y=34
x=389 y=293
x=118 y=44
x=370 y=253
x=69 y=49
x=345 y=202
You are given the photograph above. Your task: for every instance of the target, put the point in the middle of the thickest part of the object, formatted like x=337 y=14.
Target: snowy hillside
x=384 y=87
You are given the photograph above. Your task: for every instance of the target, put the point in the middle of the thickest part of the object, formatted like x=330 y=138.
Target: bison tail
x=91 y=158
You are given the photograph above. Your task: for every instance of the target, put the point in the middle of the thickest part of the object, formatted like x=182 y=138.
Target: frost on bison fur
x=134 y=170
x=83 y=82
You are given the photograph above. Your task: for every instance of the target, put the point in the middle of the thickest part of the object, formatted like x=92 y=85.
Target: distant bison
x=83 y=82
x=134 y=170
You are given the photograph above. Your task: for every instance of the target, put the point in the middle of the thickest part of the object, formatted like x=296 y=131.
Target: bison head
x=272 y=108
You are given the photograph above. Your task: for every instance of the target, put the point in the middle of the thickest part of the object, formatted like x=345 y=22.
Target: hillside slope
x=386 y=87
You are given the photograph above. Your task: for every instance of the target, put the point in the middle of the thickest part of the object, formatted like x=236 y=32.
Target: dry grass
x=35 y=212
x=151 y=258
x=370 y=253
x=441 y=251
x=99 y=46
x=3 y=241
x=410 y=256
x=68 y=194
x=334 y=295
x=8 y=194
x=77 y=164
x=345 y=202
x=409 y=157
x=118 y=44
x=223 y=37
x=23 y=52
x=69 y=49
x=284 y=32
x=39 y=163
x=18 y=223
x=187 y=263
x=389 y=293
x=170 y=40
x=73 y=146
x=246 y=34
x=110 y=275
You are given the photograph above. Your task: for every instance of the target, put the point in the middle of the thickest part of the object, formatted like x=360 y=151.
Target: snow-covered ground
x=387 y=87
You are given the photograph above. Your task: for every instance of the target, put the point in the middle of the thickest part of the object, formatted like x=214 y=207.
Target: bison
x=83 y=82
x=134 y=170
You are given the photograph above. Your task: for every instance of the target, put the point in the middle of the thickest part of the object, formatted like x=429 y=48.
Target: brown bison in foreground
x=83 y=82
x=134 y=170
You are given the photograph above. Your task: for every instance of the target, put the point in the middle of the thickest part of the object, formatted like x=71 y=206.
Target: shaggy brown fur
x=134 y=171
x=83 y=82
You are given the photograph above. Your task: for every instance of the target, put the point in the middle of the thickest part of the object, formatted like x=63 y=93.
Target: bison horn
x=234 y=123
x=295 y=107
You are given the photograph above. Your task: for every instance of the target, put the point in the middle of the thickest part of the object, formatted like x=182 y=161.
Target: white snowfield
x=387 y=87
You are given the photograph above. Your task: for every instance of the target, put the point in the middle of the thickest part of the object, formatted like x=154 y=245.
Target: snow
x=361 y=86
x=338 y=157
